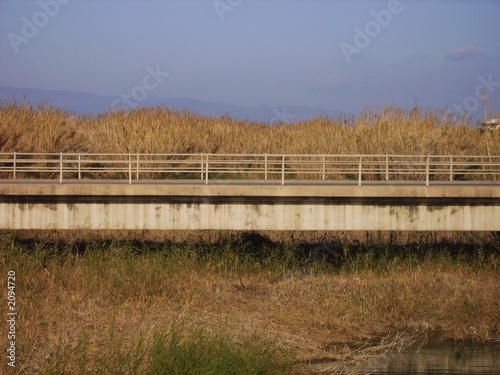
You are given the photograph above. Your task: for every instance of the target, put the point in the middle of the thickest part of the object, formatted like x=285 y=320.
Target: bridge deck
x=256 y=188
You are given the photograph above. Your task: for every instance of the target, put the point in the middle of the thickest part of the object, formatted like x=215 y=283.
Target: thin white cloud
x=464 y=53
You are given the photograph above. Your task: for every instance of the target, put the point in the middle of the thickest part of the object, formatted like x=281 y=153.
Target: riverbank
x=108 y=306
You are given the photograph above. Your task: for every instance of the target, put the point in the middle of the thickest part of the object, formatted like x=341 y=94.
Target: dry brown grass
x=115 y=296
x=41 y=129
x=388 y=130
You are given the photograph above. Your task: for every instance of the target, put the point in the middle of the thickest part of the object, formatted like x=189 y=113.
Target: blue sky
x=333 y=54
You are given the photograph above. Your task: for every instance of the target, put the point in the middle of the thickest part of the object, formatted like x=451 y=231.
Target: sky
x=333 y=54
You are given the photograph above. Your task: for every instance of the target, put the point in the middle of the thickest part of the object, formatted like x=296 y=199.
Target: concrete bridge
x=258 y=192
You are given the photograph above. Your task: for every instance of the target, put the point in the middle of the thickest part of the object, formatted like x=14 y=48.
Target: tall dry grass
x=43 y=128
x=386 y=130
x=98 y=305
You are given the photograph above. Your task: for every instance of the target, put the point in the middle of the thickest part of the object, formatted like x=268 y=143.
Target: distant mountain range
x=83 y=103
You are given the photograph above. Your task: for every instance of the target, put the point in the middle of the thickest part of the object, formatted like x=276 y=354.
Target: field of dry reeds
x=24 y=128
x=165 y=144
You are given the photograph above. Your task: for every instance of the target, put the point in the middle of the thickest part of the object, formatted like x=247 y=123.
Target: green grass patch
x=202 y=353
x=175 y=352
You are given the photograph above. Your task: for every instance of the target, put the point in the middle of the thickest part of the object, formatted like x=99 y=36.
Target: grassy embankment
x=139 y=307
x=271 y=308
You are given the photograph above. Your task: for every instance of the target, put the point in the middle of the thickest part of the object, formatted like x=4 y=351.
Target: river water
x=438 y=357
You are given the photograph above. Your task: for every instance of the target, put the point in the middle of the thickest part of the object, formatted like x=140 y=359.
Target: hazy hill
x=87 y=103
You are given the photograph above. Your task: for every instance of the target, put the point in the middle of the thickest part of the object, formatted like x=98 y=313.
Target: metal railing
x=279 y=167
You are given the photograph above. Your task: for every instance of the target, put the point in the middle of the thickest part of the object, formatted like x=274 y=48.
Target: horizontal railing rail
x=280 y=167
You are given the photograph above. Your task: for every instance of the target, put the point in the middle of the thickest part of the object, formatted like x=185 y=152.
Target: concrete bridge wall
x=249 y=207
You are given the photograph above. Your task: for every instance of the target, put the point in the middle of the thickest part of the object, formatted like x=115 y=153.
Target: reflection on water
x=438 y=357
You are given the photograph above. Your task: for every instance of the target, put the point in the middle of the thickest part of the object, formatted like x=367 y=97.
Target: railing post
x=283 y=170
x=206 y=170
x=324 y=168
x=427 y=169
x=360 y=171
x=201 y=166
x=387 y=168
x=79 y=166
x=129 y=169
x=265 y=166
x=137 y=169
x=451 y=168
x=60 y=167
x=15 y=162
x=482 y=167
